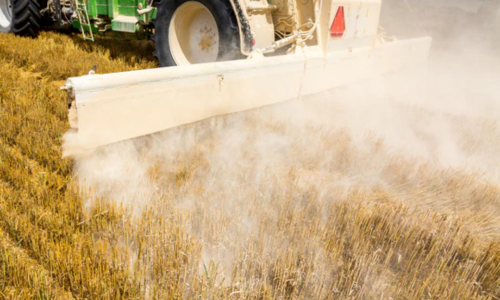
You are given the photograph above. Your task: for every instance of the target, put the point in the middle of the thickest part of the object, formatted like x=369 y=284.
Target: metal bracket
x=145 y=10
x=261 y=9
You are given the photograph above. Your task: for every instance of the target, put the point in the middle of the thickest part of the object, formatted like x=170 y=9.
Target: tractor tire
x=195 y=31
x=21 y=17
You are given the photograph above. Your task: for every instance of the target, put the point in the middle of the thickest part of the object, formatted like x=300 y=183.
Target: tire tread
x=26 y=18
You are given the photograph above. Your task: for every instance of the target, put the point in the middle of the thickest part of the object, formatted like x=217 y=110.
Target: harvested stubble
x=291 y=231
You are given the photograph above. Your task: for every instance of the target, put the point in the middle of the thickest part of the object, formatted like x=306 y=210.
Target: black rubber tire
x=222 y=11
x=26 y=18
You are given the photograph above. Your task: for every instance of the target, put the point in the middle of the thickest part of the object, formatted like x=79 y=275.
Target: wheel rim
x=193 y=35
x=5 y=13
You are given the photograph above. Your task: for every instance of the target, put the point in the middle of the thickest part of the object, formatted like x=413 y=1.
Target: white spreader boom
x=120 y=106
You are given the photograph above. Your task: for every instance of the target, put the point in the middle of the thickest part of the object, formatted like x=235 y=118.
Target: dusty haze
x=255 y=190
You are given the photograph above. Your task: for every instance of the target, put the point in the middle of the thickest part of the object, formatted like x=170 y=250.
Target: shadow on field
x=129 y=50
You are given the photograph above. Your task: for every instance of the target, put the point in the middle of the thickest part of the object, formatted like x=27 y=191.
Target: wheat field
x=286 y=202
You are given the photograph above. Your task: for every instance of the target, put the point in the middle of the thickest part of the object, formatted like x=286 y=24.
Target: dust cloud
x=231 y=180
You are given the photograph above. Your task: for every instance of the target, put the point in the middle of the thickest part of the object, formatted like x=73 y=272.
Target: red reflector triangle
x=338 y=25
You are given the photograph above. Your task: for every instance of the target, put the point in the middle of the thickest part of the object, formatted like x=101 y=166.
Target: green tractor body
x=129 y=19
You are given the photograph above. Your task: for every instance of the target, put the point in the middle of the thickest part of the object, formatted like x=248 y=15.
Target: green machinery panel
x=122 y=14
x=114 y=8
